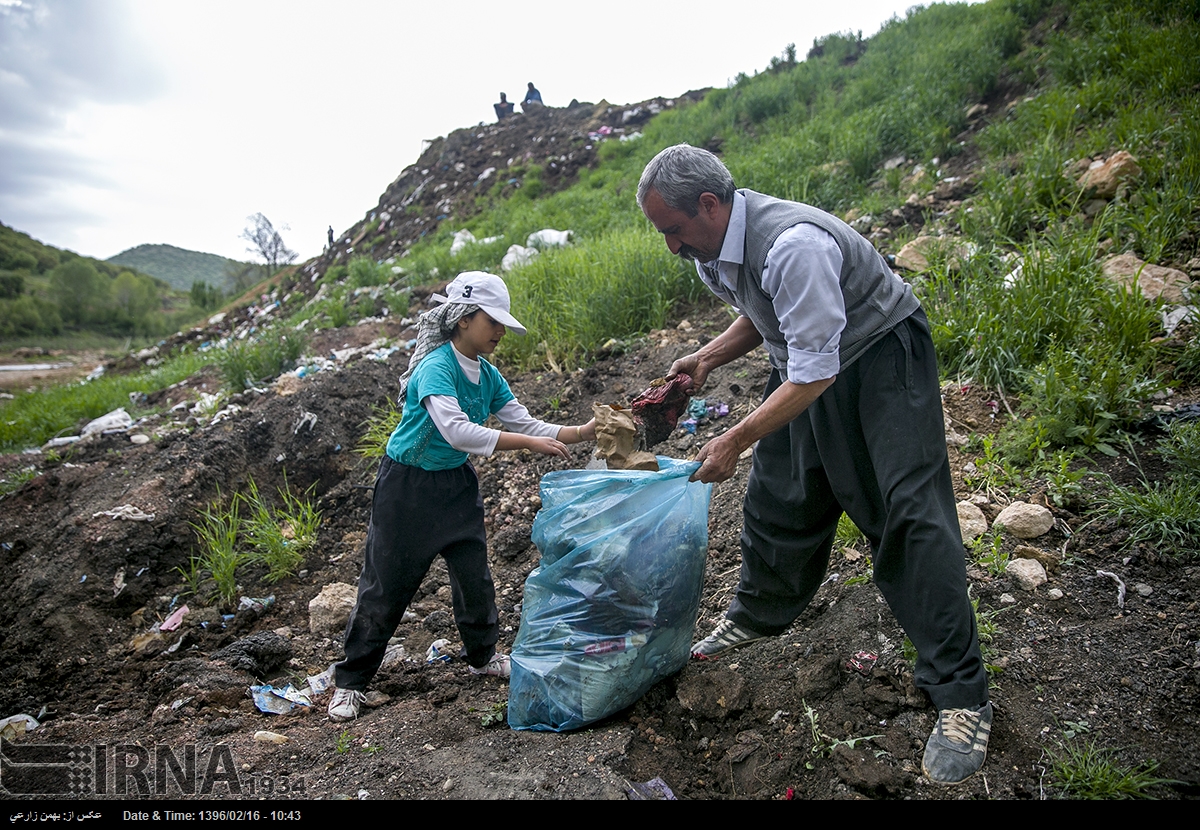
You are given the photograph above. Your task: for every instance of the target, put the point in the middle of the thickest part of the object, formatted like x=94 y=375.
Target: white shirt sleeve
x=467 y=436
x=801 y=275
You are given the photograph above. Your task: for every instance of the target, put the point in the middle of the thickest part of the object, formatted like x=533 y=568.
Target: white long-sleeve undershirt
x=465 y=435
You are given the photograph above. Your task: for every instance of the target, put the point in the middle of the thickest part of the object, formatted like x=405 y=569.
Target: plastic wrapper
x=611 y=608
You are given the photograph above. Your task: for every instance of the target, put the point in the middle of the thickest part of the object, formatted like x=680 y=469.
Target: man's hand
x=739 y=339
x=693 y=368
x=718 y=460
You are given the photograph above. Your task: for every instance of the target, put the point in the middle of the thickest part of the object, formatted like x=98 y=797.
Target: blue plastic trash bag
x=611 y=608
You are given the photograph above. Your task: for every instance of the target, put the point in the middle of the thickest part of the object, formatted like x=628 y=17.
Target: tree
x=266 y=242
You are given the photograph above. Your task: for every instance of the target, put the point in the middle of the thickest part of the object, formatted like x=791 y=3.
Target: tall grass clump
x=1164 y=514
x=1082 y=769
x=279 y=537
x=574 y=299
x=247 y=362
x=377 y=429
x=217 y=537
x=32 y=418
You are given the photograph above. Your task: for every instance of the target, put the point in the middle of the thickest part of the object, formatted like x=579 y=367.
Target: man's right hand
x=692 y=366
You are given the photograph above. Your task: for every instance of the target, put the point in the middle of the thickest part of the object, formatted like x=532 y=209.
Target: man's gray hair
x=681 y=173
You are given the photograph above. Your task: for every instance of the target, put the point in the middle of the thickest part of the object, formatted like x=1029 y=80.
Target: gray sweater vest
x=876 y=299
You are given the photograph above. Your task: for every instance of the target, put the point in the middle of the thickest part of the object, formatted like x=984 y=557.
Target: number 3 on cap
x=467 y=291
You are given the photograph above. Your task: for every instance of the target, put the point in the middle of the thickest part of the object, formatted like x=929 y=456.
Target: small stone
x=971 y=522
x=1028 y=573
x=1024 y=520
x=139 y=438
x=1055 y=594
x=1143 y=589
x=262 y=736
x=1008 y=599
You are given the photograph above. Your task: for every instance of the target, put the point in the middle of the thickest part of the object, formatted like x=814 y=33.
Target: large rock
x=1025 y=521
x=971 y=522
x=1028 y=573
x=329 y=610
x=1154 y=280
x=1105 y=177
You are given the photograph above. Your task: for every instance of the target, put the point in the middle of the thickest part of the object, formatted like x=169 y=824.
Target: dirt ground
x=84 y=658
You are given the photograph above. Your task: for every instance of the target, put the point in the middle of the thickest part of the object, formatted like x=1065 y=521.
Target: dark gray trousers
x=874 y=446
x=417 y=515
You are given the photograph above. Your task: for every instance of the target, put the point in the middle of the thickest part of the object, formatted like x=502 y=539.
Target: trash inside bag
x=659 y=407
x=611 y=608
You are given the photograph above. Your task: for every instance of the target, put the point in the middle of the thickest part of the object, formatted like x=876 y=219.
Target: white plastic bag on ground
x=549 y=238
x=517 y=255
x=117 y=419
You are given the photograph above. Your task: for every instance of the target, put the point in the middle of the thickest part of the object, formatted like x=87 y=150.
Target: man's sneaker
x=498 y=666
x=958 y=746
x=345 y=703
x=727 y=635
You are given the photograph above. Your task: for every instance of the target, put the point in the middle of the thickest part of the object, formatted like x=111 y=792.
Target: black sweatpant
x=415 y=516
x=873 y=444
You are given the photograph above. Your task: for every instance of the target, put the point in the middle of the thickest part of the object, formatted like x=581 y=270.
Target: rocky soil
x=778 y=719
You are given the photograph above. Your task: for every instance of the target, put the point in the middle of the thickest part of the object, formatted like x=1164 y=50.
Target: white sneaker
x=498 y=666
x=345 y=704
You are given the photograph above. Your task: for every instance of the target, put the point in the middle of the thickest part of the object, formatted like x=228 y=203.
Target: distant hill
x=177 y=266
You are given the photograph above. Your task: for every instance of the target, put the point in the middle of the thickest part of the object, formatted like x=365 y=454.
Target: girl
x=427 y=498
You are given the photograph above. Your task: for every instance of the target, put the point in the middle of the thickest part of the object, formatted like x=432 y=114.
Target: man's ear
x=709 y=203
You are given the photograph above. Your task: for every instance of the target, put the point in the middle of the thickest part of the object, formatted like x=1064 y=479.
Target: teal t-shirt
x=416 y=441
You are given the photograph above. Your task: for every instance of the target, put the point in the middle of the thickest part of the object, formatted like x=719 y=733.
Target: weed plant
x=1081 y=769
x=15 y=480
x=246 y=363
x=217 y=535
x=278 y=538
x=1163 y=514
x=32 y=418
x=377 y=430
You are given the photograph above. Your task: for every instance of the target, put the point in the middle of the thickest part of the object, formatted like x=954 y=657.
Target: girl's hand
x=549 y=446
x=588 y=431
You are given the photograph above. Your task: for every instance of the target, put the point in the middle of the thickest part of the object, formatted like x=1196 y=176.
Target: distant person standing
x=331 y=237
x=532 y=96
x=503 y=109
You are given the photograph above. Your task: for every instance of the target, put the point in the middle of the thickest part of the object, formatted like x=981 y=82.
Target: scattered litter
x=262 y=736
x=653 y=790
x=118 y=583
x=226 y=413
x=54 y=443
x=320 y=683
x=1173 y=317
x=393 y=655
x=83 y=579
x=140 y=438
x=95 y=373
x=259 y=604
x=438 y=652
x=862 y=662
x=306 y=417
x=127 y=512
x=517 y=255
x=549 y=238
x=116 y=421
x=15 y=725
x=275 y=701
x=175 y=620
x=1120 y=586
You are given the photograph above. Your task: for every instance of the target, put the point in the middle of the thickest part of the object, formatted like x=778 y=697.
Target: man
x=851 y=420
x=503 y=109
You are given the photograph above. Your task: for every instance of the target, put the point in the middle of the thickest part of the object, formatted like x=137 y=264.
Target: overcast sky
x=141 y=121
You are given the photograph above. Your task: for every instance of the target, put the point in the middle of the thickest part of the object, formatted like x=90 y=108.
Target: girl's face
x=478 y=334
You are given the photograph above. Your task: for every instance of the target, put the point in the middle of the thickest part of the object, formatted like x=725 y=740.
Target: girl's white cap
x=484 y=290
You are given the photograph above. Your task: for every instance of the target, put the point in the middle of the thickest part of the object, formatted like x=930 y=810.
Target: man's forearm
x=781 y=407
x=739 y=339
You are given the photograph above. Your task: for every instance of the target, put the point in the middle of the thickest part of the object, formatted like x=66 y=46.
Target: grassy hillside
x=178 y=267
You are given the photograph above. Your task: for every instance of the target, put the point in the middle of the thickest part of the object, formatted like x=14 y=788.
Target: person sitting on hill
x=532 y=97
x=504 y=108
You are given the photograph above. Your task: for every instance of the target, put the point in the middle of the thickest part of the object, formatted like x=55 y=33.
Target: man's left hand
x=718 y=460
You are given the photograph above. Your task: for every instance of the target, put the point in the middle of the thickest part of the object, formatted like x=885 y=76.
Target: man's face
x=696 y=237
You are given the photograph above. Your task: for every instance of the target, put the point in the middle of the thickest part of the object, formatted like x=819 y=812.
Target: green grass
x=217 y=538
x=32 y=418
x=377 y=430
x=246 y=363
x=1082 y=769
